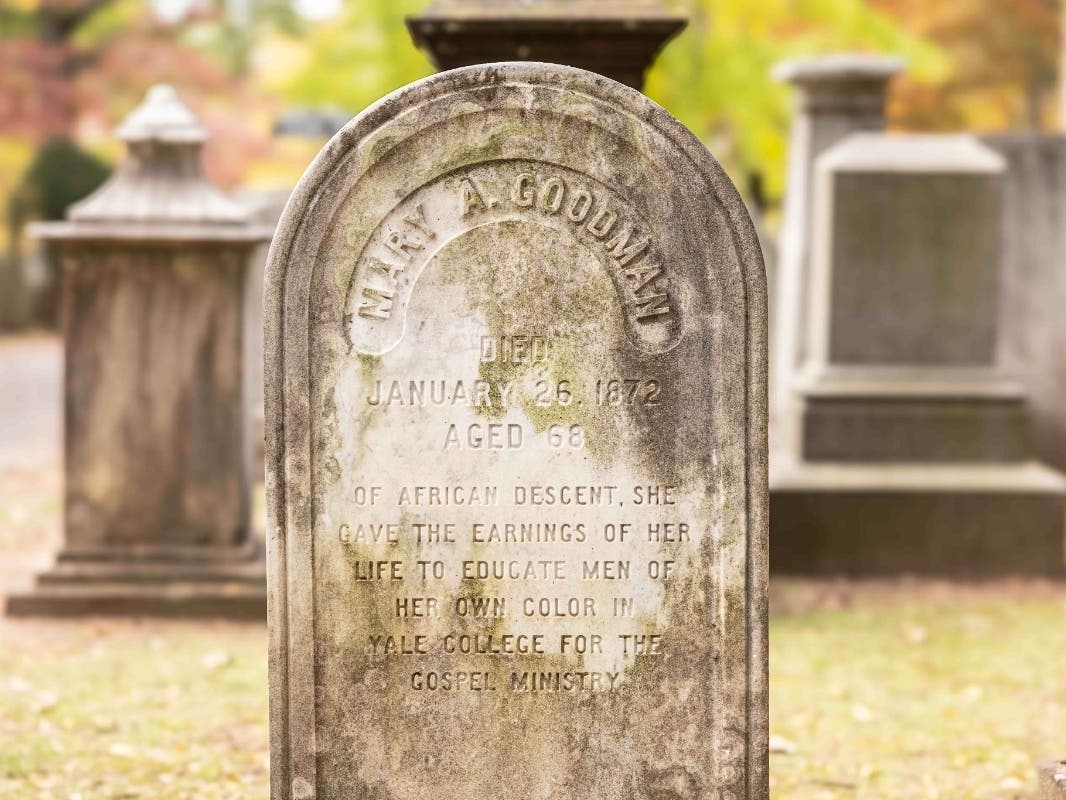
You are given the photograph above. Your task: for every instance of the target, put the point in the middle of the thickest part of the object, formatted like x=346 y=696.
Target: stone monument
x=836 y=95
x=516 y=446
x=156 y=514
x=910 y=453
x=616 y=38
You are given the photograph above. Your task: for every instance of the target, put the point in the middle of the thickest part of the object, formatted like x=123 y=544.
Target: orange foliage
x=1004 y=57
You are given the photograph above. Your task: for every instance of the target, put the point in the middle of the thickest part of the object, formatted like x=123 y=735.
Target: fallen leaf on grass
x=779 y=744
x=45 y=701
x=915 y=634
x=216 y=660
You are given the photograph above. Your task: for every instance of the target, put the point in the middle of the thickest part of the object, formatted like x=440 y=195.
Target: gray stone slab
x=516 y=447
x=966 y=520
x=910 y=252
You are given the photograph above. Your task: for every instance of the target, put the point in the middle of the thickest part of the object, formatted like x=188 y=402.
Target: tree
x=1002 y=64
x=358 y=57
x=716 y=77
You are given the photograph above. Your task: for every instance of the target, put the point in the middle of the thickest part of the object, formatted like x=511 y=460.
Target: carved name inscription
x=423 y=223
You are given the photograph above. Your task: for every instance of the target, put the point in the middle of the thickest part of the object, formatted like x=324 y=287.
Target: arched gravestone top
x=516 y=437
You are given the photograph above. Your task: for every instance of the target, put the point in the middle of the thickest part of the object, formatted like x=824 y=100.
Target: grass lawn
x=879 y=690
x=907 y=690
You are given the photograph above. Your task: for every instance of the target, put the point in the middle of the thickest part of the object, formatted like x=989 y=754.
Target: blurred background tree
x=716 y=76
x=73 y=67
x=1002 y=69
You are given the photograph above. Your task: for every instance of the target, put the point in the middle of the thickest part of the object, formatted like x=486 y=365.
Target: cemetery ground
x=879 y=689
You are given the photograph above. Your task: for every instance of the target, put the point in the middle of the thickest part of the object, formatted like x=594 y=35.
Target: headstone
x=912 y=443
x=156 y=517
x=1051 y=779
x=516 y=451
x=616 y=38
x=1033 y=283
x=835 y=95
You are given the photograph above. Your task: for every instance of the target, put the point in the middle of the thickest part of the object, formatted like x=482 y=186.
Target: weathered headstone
x=516 y=450
x=616 y=38
x=156 y=517
x=911 y=451
x=835 y=95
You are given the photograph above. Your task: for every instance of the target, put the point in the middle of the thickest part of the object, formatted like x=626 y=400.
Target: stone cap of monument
x=616 y=38
x=161 y=117
x=850 y=83
x=600 y=10
x=839 y=68
x=912 y=153
x=159 y=193
x=907 y=382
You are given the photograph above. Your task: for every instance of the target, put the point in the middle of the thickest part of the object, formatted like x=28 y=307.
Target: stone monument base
x=171 y=581
x=871 y=519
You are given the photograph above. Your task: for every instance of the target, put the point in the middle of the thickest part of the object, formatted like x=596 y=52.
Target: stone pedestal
x=157 y=486
x=910 y=446
x=616 y=39
x=836 y=95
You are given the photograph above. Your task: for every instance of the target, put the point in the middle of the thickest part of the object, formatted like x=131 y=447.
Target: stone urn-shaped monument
x=153 y=264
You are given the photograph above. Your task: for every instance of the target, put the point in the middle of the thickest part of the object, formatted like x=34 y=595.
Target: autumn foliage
x=74 y=67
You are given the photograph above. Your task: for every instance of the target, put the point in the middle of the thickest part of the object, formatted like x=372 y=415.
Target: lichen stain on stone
x=501 y=267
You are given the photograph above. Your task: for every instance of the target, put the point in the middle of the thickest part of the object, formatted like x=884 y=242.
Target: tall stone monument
x=616 y=38
x=153 y=265
x=835 y=95
x=516 y=431
x=911 y=449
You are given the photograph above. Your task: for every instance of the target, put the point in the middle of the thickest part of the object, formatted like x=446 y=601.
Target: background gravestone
x=836 y=95
x=156 y=516
x=516 y=450
x=616 y=38
x=911 y=452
